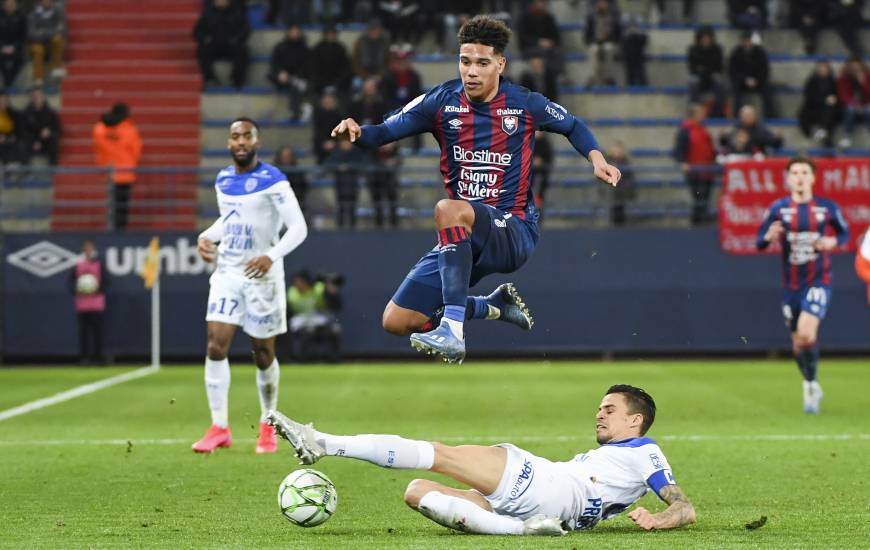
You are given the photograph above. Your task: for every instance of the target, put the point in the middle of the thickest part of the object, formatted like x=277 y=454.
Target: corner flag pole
x=151 y=275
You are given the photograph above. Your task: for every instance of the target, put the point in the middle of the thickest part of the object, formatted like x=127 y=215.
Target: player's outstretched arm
x=604 y=171
x=347 y=129
x=679 y=512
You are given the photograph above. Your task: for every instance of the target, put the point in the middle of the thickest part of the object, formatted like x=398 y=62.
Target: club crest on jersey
x=250 y=184
x=509 y=124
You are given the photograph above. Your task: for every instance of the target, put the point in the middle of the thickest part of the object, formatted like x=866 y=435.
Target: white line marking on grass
x=76 y=392
x=464 y=439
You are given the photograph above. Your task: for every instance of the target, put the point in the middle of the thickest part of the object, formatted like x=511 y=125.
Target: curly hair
x=486 y=30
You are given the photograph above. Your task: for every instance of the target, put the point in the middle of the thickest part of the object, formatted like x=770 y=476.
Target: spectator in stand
x=117 y=145
x=330 y=64
x=285 y=160
x=288 y=12
x=401 y=83
x=807 y=16
x=846 y=17
x=655 y=10
x=222 y=32
x=695 y=152
x=750 y=73
x=401 y=18
x=853 y=88
x=88 y=283
x=41 y=127
x=326 y=117
x=634 y=41
x=13 y=37
x=383 y=183
x=543 y=160
x=538 y=33
x=290 y=73
x=538 y=78
x=706 y=67
x=371 y=51
x=750 y=15
x=346 y=161
x=10 y=132
x=46 y=32
x=737 y=147
x=603 y=34
x=369 y=106
x=760 y=138
x=820 y=112
x=626 y=191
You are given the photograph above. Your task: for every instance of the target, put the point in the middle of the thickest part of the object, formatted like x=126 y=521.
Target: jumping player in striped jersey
x=799 y=222
x=485 y=126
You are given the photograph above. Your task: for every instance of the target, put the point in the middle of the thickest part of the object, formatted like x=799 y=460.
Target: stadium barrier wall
x=629 y=291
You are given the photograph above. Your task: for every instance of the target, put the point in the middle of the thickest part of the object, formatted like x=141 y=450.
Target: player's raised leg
x=268 y=377
x=454 y=219
x=217 y=387
x=479 y=467
x=806 y=352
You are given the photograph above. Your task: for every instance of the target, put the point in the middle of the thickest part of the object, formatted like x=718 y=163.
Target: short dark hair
x=486 y=30
x=250 y=121
x=639 y=402
x=800 y=159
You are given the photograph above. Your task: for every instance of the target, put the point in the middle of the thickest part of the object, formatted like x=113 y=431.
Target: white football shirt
x=254 y=206
x=615 y=476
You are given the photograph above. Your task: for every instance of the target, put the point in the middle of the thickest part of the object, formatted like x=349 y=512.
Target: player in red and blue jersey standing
x=799 y=222
x=485 y=126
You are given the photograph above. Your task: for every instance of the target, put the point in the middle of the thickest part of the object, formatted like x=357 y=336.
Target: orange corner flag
x=151 y=269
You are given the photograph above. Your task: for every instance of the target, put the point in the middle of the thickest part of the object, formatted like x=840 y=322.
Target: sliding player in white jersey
x=247 y=288
x=514 y=492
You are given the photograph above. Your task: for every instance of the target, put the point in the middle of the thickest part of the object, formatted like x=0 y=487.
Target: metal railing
x=44 y=198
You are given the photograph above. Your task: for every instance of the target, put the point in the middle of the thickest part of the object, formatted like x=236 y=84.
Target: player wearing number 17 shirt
x=799 y=222
x=485 y=126
x=247 y=288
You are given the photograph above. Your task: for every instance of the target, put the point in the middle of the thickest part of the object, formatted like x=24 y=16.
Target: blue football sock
x=454 y=264
x=476 y=308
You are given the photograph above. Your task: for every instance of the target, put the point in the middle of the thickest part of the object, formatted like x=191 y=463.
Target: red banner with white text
x=749 y=187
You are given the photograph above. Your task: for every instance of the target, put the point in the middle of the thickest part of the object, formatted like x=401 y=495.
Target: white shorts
x=258 y=306
x=532 y=485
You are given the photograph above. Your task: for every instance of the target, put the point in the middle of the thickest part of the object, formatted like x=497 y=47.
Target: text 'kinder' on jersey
x=486 y=147
x=804 y=224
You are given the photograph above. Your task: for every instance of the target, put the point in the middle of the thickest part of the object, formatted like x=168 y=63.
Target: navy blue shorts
x=500 y=243
x=813 y=300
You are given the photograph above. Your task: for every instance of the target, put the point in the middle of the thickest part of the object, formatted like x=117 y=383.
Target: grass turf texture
x=95 y=492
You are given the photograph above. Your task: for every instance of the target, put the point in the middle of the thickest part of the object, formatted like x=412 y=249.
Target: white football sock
x=217 y=388
x=463 y=515
x=267 y=386
x=808 y=392
x=388 y=451
x=456 y=327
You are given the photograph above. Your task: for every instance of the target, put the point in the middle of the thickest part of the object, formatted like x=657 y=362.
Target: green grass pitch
x=733 y=432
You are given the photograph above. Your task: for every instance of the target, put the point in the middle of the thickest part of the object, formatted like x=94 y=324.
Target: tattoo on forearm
x=679 y=512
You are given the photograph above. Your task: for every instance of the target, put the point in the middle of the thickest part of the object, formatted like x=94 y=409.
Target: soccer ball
x=307 y=498
x=86 y=284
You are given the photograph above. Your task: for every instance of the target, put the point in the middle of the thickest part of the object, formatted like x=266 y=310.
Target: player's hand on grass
x=825 y=244
x=774 y=231
x=347 y=129
x=642 y=518
x=258 y=267
x=207 y=250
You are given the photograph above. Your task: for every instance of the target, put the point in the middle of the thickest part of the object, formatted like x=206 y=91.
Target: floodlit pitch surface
x=114 y=467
